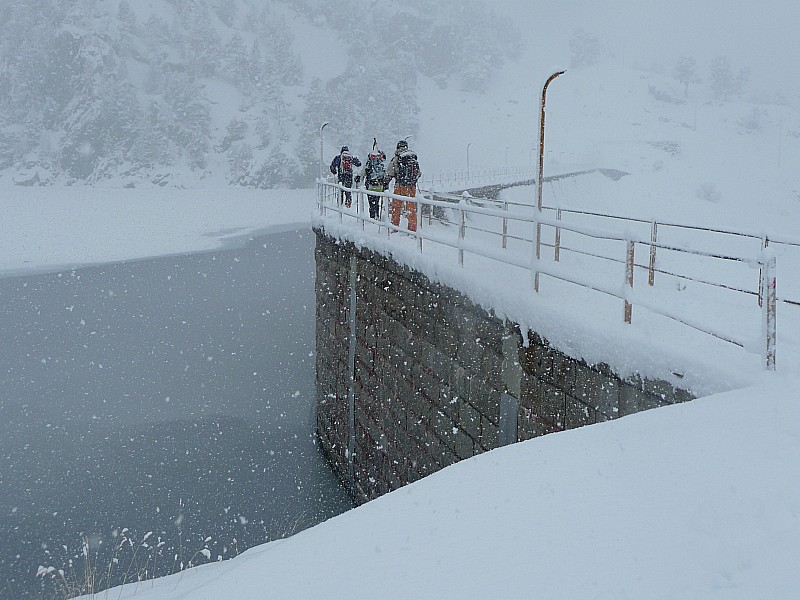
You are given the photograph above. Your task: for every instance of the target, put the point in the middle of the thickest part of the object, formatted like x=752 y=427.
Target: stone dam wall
x=411 y=376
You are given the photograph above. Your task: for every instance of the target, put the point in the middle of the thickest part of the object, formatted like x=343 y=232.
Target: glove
x=358 y=179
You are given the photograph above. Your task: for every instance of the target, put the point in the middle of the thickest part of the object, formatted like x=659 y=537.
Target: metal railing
x=478 y=221
x=764 y=241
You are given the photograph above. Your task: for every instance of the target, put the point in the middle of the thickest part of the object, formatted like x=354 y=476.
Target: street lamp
x=468 y=145
x=539 y=180
x=322 y=150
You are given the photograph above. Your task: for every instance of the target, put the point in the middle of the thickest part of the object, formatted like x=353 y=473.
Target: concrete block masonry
x=434 y=375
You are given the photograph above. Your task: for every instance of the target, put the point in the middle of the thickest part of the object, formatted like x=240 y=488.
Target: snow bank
x=45 y=229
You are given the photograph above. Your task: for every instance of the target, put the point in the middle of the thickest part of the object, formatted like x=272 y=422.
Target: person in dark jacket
x=374 y=181
x=342 y=166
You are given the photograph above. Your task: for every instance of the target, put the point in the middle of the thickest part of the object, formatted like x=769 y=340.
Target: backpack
x=407 y=168
x=346 y=163
x=376 y=168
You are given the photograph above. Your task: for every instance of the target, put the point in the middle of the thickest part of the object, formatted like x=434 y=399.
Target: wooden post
x=629 y=279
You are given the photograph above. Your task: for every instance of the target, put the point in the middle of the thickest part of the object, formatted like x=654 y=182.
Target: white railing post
x=387 y=216
x=419 y=218
x=557 y=245
x=505 y=225
x=769 y=311
x=361 y=199
x=462 y=230
x=651 y=270
x=629 y=262
x=764 y=246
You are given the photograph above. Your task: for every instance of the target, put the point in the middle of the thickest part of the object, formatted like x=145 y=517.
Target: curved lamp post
x=322 y=150
x=539 y=179
x=468 y=145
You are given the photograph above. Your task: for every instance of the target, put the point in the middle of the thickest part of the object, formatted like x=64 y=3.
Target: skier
x=404 y=169
x=375 y=180
x=342 y=166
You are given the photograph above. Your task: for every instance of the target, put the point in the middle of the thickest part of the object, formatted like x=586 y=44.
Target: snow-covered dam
x=413 y=376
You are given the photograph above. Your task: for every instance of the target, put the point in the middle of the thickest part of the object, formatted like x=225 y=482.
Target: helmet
x=345 y=149
x=402 y=145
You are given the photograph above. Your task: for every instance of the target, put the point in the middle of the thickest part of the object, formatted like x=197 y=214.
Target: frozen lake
x=172 y=396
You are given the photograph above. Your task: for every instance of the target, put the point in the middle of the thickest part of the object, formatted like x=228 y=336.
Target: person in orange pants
x=404 y=169
x=411 y=207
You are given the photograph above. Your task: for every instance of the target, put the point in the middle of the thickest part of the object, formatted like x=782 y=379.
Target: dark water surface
x=172 y=397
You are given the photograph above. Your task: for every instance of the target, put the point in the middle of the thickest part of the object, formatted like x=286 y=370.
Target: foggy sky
x=761 y=36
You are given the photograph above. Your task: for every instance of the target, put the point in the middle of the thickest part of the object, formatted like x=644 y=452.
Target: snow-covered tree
x=91 y=89
x=686 y=73
x=188 y=117
x=725 y=84
x=236 y=65
x=227 y=11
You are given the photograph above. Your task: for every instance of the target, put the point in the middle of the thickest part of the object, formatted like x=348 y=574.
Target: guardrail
x=453 y=178
x=479 y=220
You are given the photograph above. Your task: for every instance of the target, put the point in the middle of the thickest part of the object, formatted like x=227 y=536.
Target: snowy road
x=171 y=395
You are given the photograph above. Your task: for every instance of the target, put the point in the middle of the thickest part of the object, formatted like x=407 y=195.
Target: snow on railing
x=478 y=220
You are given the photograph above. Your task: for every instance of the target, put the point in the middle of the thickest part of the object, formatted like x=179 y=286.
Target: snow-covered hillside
x=192 y=94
